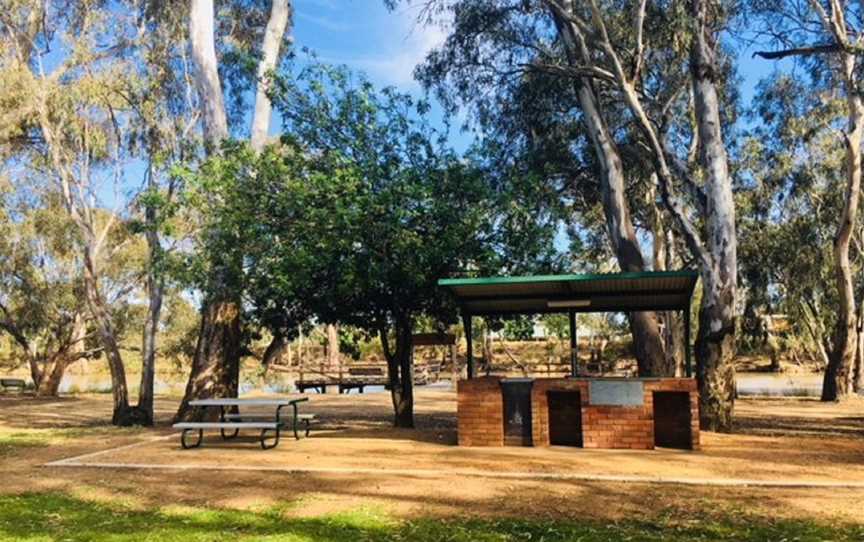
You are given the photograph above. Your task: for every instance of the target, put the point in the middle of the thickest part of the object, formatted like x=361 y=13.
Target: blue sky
x=364 y=35
x=387 y=45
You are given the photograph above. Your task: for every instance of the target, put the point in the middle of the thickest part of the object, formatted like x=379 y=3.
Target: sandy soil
x=783 y=439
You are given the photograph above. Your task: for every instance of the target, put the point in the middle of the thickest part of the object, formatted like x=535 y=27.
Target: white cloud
x=396 y=66
x=404 y=45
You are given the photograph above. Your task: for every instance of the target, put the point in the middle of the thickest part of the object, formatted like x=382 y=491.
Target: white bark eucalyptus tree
x=68 y=123
x=830 y=36
x=96 y=96
x=526 y=73
x=216 y=363
x=712 y=199
x=645 y=78
x=619 y=224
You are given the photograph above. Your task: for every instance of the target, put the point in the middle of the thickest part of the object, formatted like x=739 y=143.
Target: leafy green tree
x=40 y=290
x=792 y=156
x=356 y=217
x=518 y=329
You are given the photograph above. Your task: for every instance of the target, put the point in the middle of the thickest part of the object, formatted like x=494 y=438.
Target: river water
x=275 y=384
x=748 y=384
x=779 y=384
x=100 y=383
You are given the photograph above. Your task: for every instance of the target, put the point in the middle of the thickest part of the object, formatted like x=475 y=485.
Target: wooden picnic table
x=230 y=418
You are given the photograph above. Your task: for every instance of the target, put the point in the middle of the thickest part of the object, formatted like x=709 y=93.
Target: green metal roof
x=612 y=292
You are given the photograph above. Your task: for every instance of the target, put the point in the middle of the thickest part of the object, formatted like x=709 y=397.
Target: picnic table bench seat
x=307 y=419
x=227 y=425
x=230 y=423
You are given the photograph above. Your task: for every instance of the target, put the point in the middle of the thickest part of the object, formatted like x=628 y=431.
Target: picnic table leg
x=197 y=443
x=225 y=436
x=296 y=436
x=278 y=431
x=264 y=445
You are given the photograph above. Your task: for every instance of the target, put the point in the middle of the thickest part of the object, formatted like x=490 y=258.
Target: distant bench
x=12 y=383
x=357 y=379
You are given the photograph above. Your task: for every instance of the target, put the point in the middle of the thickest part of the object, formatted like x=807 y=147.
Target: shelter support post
x=469 y=353
x=687 y=361
x=574 y=345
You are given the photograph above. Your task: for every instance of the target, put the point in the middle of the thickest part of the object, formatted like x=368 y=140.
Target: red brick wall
x=481 y=413
x=602 y=426
x=678 y=384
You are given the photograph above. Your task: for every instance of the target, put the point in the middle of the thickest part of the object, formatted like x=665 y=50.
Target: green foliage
x=179 y=333
x=354 y=217
x=557 y=325
x=788 y=220
x=520 y=328
x=352 y=342
x=40 y=278
x=55 y=516
x=505 y=64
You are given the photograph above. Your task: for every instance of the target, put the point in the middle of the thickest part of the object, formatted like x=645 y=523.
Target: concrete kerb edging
x=74 y=461
x=79 y=462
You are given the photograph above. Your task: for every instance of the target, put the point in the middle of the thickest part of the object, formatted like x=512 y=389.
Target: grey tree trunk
x=663 y=247
x=274 y=351
x=332 y=346
x=47 y=369
x=123 y=415
x=277 y=24
x=715 y=341
x=155 y=291
x=206 y=74
x=838 y=375
x=648 y=346
x=858 y=372
x=215 y=366
x=51 y=377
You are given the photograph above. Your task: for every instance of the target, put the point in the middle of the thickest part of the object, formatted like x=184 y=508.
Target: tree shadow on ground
x=795 y=426
x=56 y=516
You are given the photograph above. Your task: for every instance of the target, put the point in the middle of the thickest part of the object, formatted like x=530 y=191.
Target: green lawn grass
x=56 y=516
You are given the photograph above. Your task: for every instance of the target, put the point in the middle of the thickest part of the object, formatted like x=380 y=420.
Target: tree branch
x=799 y=51
x=593 y=72
x=639 y=25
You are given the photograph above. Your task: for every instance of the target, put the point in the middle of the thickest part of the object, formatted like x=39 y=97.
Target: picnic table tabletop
x=235 y=401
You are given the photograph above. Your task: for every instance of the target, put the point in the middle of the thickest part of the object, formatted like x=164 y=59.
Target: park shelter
x=576 y=410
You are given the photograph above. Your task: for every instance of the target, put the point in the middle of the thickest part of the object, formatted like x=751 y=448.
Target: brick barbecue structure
x=631 y=413
x=623 y=413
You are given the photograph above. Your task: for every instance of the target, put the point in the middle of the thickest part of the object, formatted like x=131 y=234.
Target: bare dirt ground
x=362 y=461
